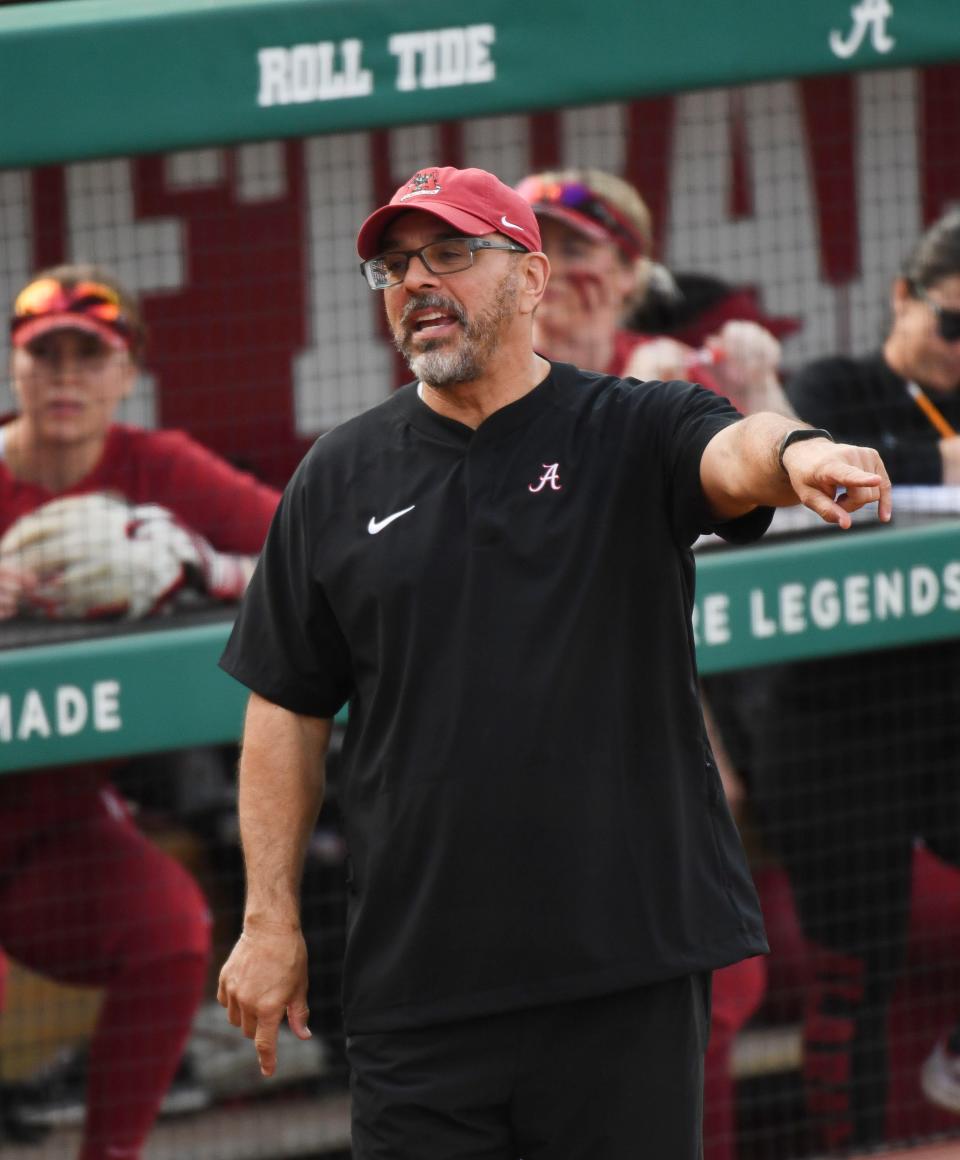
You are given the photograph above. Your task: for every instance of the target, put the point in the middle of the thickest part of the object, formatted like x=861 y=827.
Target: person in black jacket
x=462 y=564
x=903 y=399
x=845 y=810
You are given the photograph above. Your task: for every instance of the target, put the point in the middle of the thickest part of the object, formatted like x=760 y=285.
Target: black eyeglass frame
x=948 y=321
x=472 y=244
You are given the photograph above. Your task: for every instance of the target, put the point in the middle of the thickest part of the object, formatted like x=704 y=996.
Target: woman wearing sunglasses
x=847 y=812
x=98 y=518
x=905 y=397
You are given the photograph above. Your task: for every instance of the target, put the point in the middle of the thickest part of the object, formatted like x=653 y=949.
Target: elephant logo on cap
x=422 y=183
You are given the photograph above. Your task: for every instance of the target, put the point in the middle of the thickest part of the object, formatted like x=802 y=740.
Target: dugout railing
x=142 y=689
x=803 y=595
x=220 y=155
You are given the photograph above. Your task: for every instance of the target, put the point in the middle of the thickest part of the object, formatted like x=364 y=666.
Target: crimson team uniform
x=229 y=507
x=625 y=342
x=536 y=828
x=85 y=898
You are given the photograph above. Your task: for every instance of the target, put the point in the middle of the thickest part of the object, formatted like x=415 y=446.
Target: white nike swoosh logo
x=376 y=525
x=511 y=225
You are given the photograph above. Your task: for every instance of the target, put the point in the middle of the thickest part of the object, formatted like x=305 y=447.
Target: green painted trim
x=139 y=693
x=151 y=691
x=837 y=593
x=91 y=78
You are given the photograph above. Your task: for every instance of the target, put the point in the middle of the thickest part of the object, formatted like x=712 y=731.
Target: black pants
x=619 y=1077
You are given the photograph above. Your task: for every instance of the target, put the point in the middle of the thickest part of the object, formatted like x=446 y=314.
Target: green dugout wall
x=156 y=689
x=92 y=78
x=97 y=78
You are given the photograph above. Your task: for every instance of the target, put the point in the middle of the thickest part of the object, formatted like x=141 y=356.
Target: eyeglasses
x=445 y=257
x=948 y=321
x=574 y=195
x=48 y=296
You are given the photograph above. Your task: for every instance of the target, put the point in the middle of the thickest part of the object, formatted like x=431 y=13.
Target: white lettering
x=66 y=713
x=444 y=64
x=825 y=604
x=304 y=66
x=447 y=57
x=924 y=590
x=951 y=586
x=480 y=67
x=868 y=14
x=716 y=618
x=33 y=717
x=550 y=476
x=274 y=86
x=856 y=599
x=71 y=710
x=358 y=81
x=792 y=618
x=761 y=625
x=888 y=594
x=325 y=71
x=404 y=46
x=106 y=706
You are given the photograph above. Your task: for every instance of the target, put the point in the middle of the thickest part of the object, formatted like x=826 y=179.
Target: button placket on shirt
x=481 y=476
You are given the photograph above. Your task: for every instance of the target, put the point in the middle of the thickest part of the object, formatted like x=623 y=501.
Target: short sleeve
x=690 y=417
x=286 y=644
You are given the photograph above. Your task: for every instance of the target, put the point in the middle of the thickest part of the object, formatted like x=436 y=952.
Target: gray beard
x=439 y=366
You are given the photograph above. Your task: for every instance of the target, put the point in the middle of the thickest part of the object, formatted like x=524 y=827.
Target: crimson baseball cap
x=48 y=304
x=470 y=200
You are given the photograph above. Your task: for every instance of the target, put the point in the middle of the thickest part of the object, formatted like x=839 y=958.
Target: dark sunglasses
x=948 y=321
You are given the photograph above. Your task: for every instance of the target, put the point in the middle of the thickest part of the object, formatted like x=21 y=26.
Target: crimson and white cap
x=470 y=200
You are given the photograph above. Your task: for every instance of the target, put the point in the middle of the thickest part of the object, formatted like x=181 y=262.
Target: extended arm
x=281 y=791
x=740 y=470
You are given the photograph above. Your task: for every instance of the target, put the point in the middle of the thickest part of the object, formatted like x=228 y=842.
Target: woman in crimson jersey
x=102 y=519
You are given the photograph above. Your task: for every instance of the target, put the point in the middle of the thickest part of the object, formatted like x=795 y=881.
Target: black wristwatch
x=797 y=435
